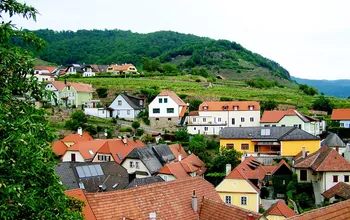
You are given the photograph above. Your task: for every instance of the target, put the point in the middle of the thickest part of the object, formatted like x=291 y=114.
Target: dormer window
x=141 y=102
x=225 y=108
x=205 y=108
x=235 y=108
x=251 y=107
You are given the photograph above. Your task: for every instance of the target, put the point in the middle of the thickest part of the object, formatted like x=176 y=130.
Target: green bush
x=226 y=99
x=102 y=92
x=140 y=132
x=125 y=129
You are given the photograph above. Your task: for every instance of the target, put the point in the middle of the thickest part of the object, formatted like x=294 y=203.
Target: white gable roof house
x=127 y=106
x=167 y=110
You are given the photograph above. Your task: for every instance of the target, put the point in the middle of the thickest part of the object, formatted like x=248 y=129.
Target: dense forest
x=184 y=51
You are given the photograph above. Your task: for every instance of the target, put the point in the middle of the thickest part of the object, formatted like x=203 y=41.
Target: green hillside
x=186 y=51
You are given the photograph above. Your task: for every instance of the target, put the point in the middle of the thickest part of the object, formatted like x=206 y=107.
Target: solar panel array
x=89 y=171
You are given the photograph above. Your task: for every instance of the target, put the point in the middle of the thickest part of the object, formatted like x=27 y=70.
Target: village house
x=69 y=93
x=167 y=110
x=294 y=118
x=343 y=116
x=43 y=73
x=189 y=198
x=273 y=141
x=122 y=69
x=339 y=192
x=279 y=211
x=324 y=169
x=211 y=117
x=333 y=140
x=89 y=70
x=127 y=106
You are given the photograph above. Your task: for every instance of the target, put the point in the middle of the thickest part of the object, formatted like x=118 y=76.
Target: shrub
x=140 y=132
x=102 y=92
x=125 y=129
x=226 y=99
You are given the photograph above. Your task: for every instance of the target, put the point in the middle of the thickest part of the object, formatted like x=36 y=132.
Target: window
x=251 y=107
x=160 y=100
x=68 y=94
x=335 y=178
x=244 y=146
x=100 y=157
x=72 y=157
x=297 y=126
x=107 y=158
x=73 y=94
x=141 y=102
x=283 y=125
x=68 y=87
x=235 y=108
x=128 y=112
x=205 y=128
x=194 y=119
x=244 y=200
x=131 y=164
x=219 y=119
x=165 y=100
x=204 y=119
x=251 y=119
x=303 y=175
x=170 y=110
x=156 y=110
x=65 y=94
x=137 y=165
x=242 y=119
x=266 y=126
x=205 y=108
x=346 y=178
x=273 y=125
x=118 y=112
x=228 y=199
x=225 y=107
x=230 y=146
x=119 y=102
x=342 y=125
x=194 y=128
x=169 y=119
x=157 y=119
x=233 y=121
x=165 y=178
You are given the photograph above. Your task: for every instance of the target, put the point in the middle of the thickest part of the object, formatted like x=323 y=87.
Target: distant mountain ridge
x=183 y=50
x=338 y=88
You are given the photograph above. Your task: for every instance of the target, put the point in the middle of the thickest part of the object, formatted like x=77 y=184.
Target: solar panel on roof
x=80 y=171
x=93 y=170
x=99 y=170
x=86 y=171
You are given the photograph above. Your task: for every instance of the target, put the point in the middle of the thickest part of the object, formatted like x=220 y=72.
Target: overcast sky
x=310 y=38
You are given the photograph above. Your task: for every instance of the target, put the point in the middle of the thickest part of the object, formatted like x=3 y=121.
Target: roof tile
x=79 y=194
x=341 y=189
x=219 y=106
x=341 y=114
x=280 y=209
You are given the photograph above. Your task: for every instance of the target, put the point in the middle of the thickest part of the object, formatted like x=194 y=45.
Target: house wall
x=236 y=188
x=165 y=123
x=82 y=97
x=166 y=177
x=275 y=217
x=237 y=144
x=309 y=175
x=163 y=108
x=72 y=95
x=292 y=148
x=97 y=112
x=328 y=179
x=345 y=124
x=89 y=74
x=67 y=156
x=95 y=159
x=123 y=109
x=50 y=87
x=142 y=167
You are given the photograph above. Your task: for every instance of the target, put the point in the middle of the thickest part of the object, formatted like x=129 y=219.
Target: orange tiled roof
x=218 y=210
x=76 y=137
x=219 y=106
x=325 y=159
x=337 y=211
x=170 y=200
x=79 y=87
x=175 y=169
x=84 y=148
x=279 y=165
x=341 y=114
x=237 y=174
x=183 y=111
x=79 y=194
x=193 y=113
x=48 y=68
x=341 y=189
x=276 y=116
x=59 y=148
x=177 y=150
x=173 y=96
x=269 y=168
x=122 y=67
x=280 y=209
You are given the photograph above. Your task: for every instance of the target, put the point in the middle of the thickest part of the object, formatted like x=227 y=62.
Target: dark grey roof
x=148 y=158
x=271 y=133
x=133 y=101
x=114 y=176
x=333 y=140
x=88 y=65
x=163 y=153
x=144 y=181
x=102 y=68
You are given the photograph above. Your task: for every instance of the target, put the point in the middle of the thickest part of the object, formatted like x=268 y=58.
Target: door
x=256 y=148
x=72 y=157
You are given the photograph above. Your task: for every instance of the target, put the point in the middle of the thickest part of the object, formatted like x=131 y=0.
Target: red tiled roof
x=279 y=165
x=59 y=148
x=79 y=194
x=341 y=114
x=280 y=209
x=76 y=137
x=177 y=150
x=84 y=147
x=325 y=159
x=337 y=211
x=48 y=68
x=275 y=116
x=237 y=174
x=192 y=163
x=218 y=210
x=193 y=113
x=175 y=169
x=183 y=111
x=170 y=200
x=269 y=168
x=79 y=87
x=173 y=96
x=219 y=106
x=341 y=189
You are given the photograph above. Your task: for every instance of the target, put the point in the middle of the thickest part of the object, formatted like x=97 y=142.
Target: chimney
x=303 y=152
x=228 y=169
x=194 y=201
x=125 y=141
x=65 y=81
x=180 y=157
x=80 y=131
x=152 y=215
x=250 y=216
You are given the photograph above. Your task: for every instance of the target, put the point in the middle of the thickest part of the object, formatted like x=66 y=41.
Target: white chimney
x=125 y=141
x=152 y=215
x=180 y=157
x=228 y=169
x=194 y=201
x=80 y=131
x=303 y=152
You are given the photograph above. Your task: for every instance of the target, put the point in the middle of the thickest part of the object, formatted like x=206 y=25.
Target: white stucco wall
x=163 y=108
x=123 y=109
x=97 y=112
x=142 y=167
x=345 y=124
x=166 y=177
x=67 y=156
x=328 y=179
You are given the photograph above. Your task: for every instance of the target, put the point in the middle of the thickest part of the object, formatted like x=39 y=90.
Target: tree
x=135 y=125
x=268 y=105
x=29 y=187
x=323 y=104
x=194 y=104
x=226 y=156
x=197 y=144
x=182 y=134
x=78 y=119
x=102 y=92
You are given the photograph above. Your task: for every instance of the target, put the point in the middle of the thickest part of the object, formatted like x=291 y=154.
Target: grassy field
x=237 y=90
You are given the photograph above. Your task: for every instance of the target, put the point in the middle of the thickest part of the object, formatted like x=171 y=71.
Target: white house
x=89 y=70
x=127 y=106
x=294 y=118
x=43 y=73
x=167 y=110
x=324 y=169
x=343 y=116
x=211 y=117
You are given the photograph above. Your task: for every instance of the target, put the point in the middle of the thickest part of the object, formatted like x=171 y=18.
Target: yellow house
x=280 y=141
x=122 y=69
x=237 y=190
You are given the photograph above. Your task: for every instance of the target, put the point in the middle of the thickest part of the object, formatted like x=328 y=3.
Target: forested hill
x=183 y=50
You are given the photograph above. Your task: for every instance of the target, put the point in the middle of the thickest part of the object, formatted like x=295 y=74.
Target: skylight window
x=91 y=152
